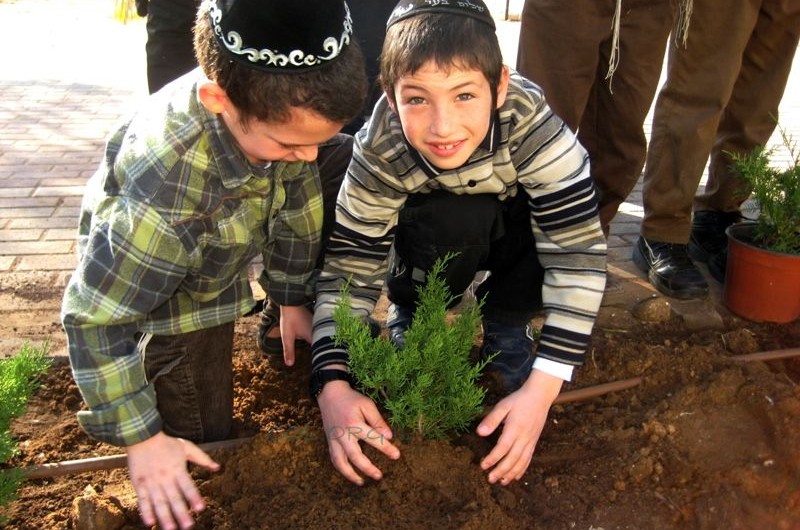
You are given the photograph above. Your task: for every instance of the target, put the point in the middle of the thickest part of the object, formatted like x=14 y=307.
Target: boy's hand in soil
x=523 y=414
x=295 y=324
x=165 y=490
x=349 y=417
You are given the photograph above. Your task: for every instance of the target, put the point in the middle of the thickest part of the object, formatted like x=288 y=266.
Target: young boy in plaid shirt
x=214 y=169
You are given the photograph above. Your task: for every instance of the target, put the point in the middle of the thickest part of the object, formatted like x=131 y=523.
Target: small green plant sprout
x=18 y=380
x=777 y=193
x=429 y=386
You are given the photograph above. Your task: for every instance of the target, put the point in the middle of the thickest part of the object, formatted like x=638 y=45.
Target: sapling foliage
x=777 y=193
x=18 y=380
x=429 y=386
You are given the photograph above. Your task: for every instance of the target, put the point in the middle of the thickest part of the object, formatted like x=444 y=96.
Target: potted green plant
x=762 y=281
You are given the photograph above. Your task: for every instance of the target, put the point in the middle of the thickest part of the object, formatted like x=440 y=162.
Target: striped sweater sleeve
x=367 y=210
x=553 y=168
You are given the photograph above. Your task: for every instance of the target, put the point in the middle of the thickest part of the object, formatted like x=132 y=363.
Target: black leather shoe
x=708 y=243
x=670 y=269
x=398 y=321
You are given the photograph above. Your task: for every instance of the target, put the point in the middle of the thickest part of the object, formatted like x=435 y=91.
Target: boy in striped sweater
x=462 y=155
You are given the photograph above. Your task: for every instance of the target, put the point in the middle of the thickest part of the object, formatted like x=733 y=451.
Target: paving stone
x=23 y=248
x=6 y=262
x=66 y=234
x=27 y=202
x=58 y=191
x=53 y=262
x=16 y=193
x=21 y=235
x=44 y=222
x=21 y=213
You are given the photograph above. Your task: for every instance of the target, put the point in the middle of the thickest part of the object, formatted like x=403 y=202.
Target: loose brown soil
x=704 y=442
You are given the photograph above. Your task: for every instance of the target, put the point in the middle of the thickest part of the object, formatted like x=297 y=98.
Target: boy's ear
x=213 y=97
x=502 y=86
x=390 y=99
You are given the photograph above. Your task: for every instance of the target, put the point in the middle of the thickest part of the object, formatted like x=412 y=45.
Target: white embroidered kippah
x=281 y=35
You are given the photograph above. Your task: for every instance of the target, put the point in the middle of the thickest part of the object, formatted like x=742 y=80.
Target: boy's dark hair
x=447 y=40
x=336 y=91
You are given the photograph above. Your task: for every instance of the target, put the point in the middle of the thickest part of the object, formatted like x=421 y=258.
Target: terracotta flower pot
x=760 y=284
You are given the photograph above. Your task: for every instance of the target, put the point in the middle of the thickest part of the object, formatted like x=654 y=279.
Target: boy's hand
x=349 y=417
x=523 y=414
x=165 y=490
x=295 y=324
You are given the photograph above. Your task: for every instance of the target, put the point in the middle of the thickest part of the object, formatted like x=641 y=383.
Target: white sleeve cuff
x=560 y=370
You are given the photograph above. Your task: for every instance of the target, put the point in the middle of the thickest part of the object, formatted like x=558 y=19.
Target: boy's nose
x=441 y=124
x=307 y=153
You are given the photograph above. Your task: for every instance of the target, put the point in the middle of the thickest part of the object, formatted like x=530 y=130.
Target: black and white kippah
x=469 y=8
x=282 y=35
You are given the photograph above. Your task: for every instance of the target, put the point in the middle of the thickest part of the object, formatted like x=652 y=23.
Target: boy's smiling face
x=446 y=114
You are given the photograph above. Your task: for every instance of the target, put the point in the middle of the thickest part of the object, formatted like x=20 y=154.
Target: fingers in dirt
x=511 y=463
x=341 y=461
x=349 y=459
x=288 y=352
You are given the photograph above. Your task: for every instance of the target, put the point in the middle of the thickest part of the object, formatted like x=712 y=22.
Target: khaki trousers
x=564 y=47
x=721 y=94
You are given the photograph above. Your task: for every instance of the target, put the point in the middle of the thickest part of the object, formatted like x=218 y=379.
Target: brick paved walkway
x=68 y=72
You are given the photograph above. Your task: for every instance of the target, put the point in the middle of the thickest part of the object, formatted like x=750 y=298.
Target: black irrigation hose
x=768 y=355
x=117 y=461
x=101 y=463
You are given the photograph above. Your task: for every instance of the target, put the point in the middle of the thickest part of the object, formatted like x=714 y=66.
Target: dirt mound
x=703 y=442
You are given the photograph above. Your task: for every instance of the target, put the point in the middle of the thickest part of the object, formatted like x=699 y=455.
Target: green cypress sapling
x=428 y=386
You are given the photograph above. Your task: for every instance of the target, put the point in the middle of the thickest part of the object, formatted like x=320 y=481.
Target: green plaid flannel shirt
x=169 y=224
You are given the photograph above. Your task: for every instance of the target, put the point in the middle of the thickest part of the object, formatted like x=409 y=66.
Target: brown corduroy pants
x=564 y=47
x=721 y=94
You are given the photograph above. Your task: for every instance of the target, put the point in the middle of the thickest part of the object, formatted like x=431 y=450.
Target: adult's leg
x=193 y=378
x=699 y=84
x=611 y=128
x=169 y=47
x=558 y=50
x=750 y=116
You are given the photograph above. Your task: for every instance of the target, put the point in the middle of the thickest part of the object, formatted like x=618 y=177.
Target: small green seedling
x=429 y=386
x=18 y=380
